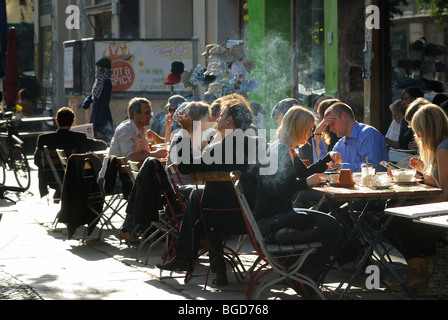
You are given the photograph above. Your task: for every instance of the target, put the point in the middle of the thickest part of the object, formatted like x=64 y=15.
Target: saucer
x=407 y=183
x=382 y=186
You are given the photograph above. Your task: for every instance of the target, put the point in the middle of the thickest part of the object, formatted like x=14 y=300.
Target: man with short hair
x=130 y=141
x=64 y=138
x=359 y=142
x=222 y=156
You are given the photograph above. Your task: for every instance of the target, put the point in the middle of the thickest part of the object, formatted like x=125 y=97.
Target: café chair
x=53 y=170
x=272 y=256
x=212 y=218
x=166 y=227
x=82 y=201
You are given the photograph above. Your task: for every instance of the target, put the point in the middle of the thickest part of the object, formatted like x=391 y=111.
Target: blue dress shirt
x=364 y=141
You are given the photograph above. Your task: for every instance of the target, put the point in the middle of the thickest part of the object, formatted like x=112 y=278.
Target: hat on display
x=175 y=101
x=185 y=78
x=177 y=68
x=209 y=47
x=173 y=79
x=105 y=63
x=238 y=68
x=248 y=64
x=250 y=85
x=237 y=52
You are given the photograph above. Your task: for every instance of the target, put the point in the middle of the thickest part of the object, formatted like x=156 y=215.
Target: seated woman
x=274 y=192
x=417 y=241
x=189 y=116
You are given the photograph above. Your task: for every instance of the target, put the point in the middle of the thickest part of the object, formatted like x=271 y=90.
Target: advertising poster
x=143 y=65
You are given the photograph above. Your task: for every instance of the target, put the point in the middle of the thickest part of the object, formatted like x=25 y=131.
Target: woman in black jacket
x=274 y=192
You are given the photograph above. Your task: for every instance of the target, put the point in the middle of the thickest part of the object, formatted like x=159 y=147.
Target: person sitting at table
x=278 y=112
x=274 y=192
x=406 y=135
x=416 y=241
x=63 y=138
x=393 y=133
x=280 y=109
x=324 y=140
x=189 y=117
x=215 y=112
x=359 y=142
x=235 y=114
x=411 y=110
x=130 y=141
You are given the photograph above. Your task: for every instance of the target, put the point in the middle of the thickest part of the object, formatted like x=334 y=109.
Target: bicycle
x=4 y=189
x=12 y=157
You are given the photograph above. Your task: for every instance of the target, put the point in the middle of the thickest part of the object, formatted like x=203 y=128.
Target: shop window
x=103 y=22
x=310 y=44
x=47 y=42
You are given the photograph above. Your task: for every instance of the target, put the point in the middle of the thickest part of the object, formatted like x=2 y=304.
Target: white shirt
x=128 y=140
x=394 y=131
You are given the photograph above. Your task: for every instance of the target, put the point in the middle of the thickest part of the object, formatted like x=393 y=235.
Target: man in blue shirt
x=358 y=141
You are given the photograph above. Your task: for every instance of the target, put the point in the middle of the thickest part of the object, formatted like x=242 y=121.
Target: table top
x=419 y=210
x=359 y=192
x=440 y=221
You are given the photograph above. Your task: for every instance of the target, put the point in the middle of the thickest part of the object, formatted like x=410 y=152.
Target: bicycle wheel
x=2 y=173
x=21 y=167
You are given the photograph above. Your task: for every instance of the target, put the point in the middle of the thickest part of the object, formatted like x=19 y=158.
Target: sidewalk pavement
x=39 y=263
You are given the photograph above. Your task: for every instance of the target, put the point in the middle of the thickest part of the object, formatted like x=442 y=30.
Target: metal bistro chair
x=116 y=200
x=168 y=225
x=231 y=256
x=53 y=171
x=272 y=257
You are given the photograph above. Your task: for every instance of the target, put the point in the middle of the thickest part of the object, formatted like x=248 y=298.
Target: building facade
x=210 y=21
x=302 y=48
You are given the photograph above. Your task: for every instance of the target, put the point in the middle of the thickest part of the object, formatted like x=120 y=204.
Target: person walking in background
x=99 y=99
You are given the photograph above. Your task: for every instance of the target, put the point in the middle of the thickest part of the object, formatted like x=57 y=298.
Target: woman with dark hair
x=406 y=135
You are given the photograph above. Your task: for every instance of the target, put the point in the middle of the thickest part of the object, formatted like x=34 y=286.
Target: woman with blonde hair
x=275 y=192
x=417 y=241
x=430 y=125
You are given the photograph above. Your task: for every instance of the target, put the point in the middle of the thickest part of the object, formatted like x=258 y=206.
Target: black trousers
x=192 y=231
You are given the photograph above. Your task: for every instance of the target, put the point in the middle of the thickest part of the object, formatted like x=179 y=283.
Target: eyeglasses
x=172 y=110
x=148 y=113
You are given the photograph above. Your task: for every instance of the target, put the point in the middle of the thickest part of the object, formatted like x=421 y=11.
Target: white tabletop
x=420 y=210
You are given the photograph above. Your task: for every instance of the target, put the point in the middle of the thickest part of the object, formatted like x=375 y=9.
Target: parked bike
x=12 y=157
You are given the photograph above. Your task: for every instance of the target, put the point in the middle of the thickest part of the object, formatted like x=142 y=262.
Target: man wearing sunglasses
x=173 y=103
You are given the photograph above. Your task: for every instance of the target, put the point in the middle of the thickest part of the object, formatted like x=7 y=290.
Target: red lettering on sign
x=123 y=75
